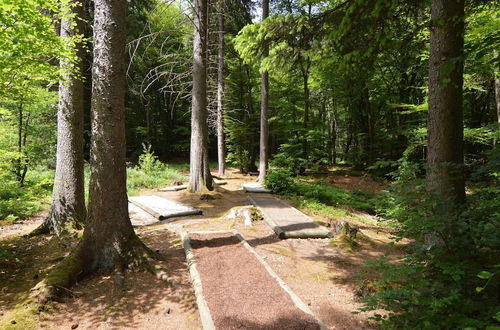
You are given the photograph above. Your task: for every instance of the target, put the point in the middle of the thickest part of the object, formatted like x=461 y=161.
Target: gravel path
x=239 y=291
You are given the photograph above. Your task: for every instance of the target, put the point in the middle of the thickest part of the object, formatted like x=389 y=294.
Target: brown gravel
x=239 y=291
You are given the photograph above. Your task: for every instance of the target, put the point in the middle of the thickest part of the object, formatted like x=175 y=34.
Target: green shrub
x=148 y=162
x=151 y=173
x=279 y=181
x=290 y=158
x=334 y=196
x=451 y=284
x=18 y=202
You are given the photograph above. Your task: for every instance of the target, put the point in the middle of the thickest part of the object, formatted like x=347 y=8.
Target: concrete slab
x=139 y=217
x=287 y=221
x=255 y=187
x=162 y=208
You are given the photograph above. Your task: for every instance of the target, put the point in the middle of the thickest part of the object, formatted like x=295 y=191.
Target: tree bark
x=19 y=145
x=264 y=108
x=497 y=98
x=304 y=68
x=68 y=201
x=220 y=93
x=333 y=150
x=109 y=241
x=445 y=118
x=108 y=237
x=200 y=177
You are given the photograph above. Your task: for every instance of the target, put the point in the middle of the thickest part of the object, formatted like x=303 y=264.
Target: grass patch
x=138 y=179
x=314 y=206
x=17 y=203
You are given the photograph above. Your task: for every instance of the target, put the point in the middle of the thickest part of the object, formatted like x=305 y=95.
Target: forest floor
x=322 y=275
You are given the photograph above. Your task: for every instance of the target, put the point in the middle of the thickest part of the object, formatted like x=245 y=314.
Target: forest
x=377 y=121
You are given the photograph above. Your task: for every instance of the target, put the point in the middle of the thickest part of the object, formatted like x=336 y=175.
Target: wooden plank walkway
x=287 y=221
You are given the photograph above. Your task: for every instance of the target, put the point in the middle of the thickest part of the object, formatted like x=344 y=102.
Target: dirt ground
x=321 y=275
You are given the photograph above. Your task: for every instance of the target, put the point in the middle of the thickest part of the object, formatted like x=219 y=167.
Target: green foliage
x=27 y=40
x=18 y=202
x=290 y=157
x=447 y=280
x=150 y=173
x=148 y=161
x=279 y=181
x=319 y=194
x=334 y=196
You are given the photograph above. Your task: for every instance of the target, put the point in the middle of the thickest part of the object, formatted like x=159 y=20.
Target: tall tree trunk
x=200 y=177
x=220 y=93
x=24 y=167
x=108 y=237
x=445 y=118
x=348 y=144
x=369 y=141
x=68 y=201
x=264 y=107
x=109 y=241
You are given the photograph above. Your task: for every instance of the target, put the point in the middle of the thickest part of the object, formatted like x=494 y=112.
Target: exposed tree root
x=81 y=262
x=43 y=229
x=63 y=276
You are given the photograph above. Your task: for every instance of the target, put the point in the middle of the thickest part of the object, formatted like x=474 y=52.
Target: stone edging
x=205 y=316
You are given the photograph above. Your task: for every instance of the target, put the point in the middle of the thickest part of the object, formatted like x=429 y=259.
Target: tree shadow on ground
x=25 y=261
x=142 y=300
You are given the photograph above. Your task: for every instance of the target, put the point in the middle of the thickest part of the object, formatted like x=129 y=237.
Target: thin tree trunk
x=497 y=98
x=348 y=145
x=220 y=93
x=24 y=166
x=370 y=138
x=264 y=108
x=19 y=144
x=445 y=118
x=200 y=177
x=334 y=135
x=305 y=124
x=68 y=201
